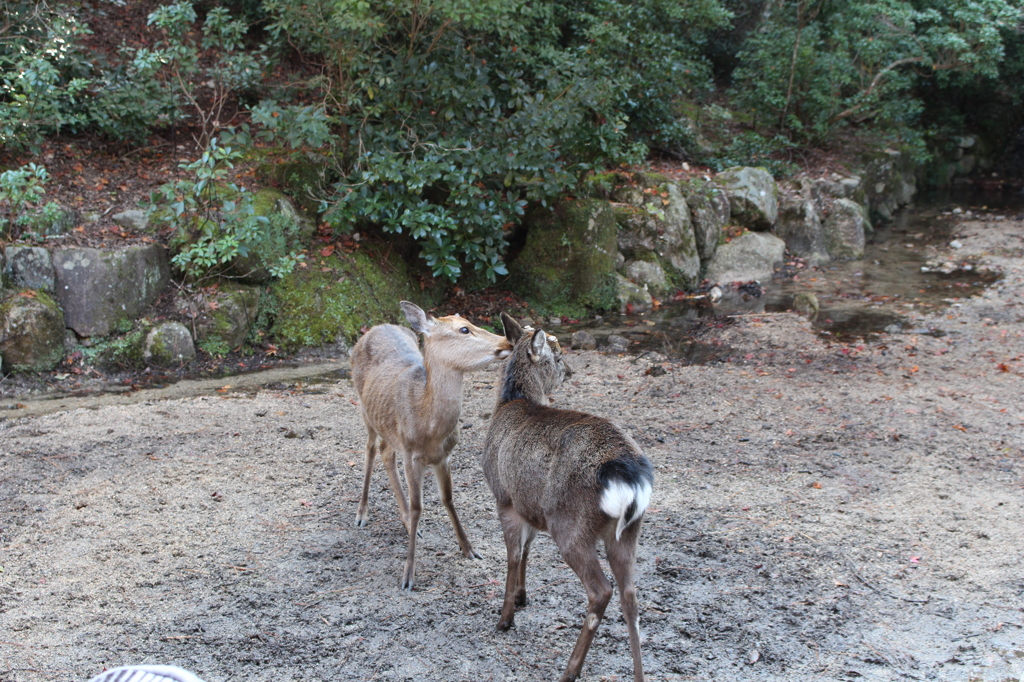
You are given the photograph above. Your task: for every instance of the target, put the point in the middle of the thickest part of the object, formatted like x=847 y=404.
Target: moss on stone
x=333 y=298
x=27 y=349
x=121 y=352
x=568 y=258
x=301 y=179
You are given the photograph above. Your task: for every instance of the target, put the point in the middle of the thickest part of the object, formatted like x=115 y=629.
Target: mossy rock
x=287 y=229
x=568 y=262
x=304 y=180
x=662 y=233
x=123 y=352
x=223 y=314
x=168 y=345
x=624 y=188
x=333 y=298
x=31 y=332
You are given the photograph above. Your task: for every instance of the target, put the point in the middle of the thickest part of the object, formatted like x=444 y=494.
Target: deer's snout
x=504 y=350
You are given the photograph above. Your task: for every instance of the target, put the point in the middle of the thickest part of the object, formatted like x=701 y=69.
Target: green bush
x=44 y=74
x=814 y=66
x=20 y=190
x=453 y=116
x=215 y=221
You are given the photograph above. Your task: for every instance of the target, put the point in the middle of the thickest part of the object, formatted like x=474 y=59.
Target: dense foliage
x=813 y=65
x=455 y=115
x=445 y=119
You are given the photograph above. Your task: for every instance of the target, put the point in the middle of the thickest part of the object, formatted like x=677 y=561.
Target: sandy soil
x=821 y=512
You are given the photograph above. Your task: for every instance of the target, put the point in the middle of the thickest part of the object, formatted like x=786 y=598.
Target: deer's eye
x=464 y=330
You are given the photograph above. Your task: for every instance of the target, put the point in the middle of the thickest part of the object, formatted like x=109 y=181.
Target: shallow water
x=859 y=300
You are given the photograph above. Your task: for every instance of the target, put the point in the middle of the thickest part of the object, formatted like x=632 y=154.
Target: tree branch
x=874 y=84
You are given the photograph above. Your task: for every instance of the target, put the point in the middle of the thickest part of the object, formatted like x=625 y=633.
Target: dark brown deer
x=577 y=476
x=412 y=400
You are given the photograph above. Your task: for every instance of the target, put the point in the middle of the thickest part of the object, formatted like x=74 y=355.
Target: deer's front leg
x=414 y=480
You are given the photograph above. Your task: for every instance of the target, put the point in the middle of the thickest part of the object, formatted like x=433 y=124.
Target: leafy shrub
x=215 y=221
x=752 y=149
x=207 y=73
x=453 y=116
x=43 y=71
x=811 y=66
x=20 y=190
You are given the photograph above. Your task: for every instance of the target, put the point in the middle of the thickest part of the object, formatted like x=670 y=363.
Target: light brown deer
x=412 y=400
x=577 y=476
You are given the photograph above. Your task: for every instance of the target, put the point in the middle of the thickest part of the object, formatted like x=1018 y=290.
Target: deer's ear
x=539 y=348
x=513 y=330
x=418 y=320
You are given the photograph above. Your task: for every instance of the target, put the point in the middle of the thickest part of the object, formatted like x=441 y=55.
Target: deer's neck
x=519 y=384
x=441 y=402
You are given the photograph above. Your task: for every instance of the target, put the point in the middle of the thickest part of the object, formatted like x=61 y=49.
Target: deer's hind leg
x=414 y=471
x=622 y=559
x=580 y=552
x=368 y=460
x=518 y=536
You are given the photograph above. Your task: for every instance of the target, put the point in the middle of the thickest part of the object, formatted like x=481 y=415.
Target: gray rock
x=753 y=197
x=649 y=274
x=844 y=230
x=132 y=219
x=632 y=297
x=709 y=212
x=644 y=235
x=751 y=256
x=98 y=288
x=583 y=340
x=31 y=332
x=806 y=303
x=628 y=194
x=799 y=225
x=618 y=343
x=169 y=345
x=889 y=182
x=29 y=267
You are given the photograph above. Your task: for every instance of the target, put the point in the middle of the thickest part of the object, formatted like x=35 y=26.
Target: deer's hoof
x=472 y=554
x=504 y=625
x=361 y=521
x=407 y=579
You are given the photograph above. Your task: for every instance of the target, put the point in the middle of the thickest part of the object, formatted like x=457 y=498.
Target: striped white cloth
x=146 y=673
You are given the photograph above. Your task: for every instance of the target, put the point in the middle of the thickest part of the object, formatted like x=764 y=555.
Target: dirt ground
x=821 y=511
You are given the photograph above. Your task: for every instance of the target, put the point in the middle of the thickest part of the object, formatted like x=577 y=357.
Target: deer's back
x=388 y=373
x=533 y=453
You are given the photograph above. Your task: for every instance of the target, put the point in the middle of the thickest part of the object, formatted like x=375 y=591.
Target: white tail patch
x=617 y=498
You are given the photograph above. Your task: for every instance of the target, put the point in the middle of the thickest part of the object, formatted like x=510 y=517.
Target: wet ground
x=898 y=277
x=822 y=511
